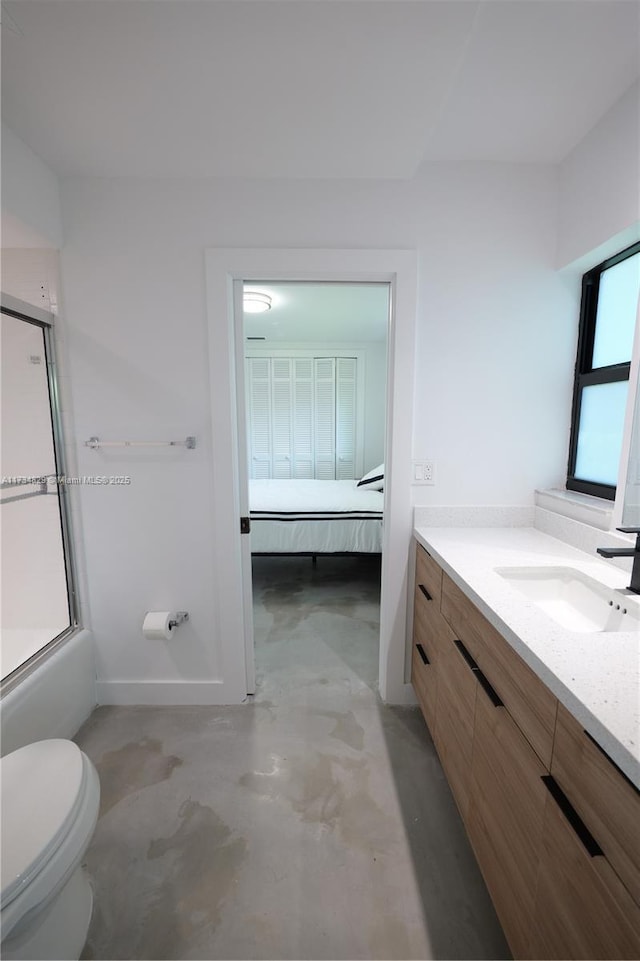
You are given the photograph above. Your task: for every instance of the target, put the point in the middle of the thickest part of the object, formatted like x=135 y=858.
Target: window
x=605 y=343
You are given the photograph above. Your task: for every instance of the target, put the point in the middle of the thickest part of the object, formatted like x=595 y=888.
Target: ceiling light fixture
x=255 y=302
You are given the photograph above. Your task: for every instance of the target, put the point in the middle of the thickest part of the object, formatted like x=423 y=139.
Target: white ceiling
x=309 y=88
x=336 y=313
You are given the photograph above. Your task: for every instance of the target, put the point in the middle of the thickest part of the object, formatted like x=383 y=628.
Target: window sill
x=594 y=511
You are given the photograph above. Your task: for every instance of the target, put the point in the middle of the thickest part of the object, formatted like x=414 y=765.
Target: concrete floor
x=311 y=822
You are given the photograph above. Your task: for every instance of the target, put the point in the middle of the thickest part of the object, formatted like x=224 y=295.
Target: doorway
x=315 y=362
x=227 y=269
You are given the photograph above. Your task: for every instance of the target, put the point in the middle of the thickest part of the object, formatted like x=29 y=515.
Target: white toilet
x=50 y=795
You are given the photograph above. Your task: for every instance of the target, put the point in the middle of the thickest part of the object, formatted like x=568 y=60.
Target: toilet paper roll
x=156 y=625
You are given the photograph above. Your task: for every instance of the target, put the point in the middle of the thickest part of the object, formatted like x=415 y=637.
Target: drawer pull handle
x=423 y=654
x=613 y=763
x=465 y=653
x=425 y=592
x=582 y=831
x=488 y=689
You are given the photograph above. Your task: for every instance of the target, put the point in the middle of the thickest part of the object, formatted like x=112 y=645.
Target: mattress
x=314 y=516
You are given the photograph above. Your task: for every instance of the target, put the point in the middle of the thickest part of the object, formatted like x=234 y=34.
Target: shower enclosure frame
x=45 y=320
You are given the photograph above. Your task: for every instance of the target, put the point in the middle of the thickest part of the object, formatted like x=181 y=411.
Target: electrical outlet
x=424 y=472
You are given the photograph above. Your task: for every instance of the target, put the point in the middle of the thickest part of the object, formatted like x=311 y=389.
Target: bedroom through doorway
x=315 y=373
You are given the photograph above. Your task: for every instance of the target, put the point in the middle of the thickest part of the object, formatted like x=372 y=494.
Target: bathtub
x=55 y=699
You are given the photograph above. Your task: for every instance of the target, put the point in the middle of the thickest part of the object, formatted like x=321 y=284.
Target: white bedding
x=314 y=516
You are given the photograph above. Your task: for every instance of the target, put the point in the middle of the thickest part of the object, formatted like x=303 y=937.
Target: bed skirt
x=338 y=536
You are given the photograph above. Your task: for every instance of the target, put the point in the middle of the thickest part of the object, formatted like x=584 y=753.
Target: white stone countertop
x=595 y=675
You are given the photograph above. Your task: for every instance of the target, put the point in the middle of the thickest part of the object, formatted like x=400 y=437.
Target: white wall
x=496 y=338
x=493 y=359
x=30 y=197
x=32 y=275
x=599 y=209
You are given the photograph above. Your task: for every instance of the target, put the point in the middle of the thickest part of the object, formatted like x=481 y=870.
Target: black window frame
x=586 y=375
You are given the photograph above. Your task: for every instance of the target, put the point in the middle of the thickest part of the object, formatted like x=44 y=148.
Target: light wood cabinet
x=530 y=703
x=555 y=825
x=603 y=797
x=506 y=808
x=442 y=679
x=428 y=577
x=428 y=625
x=582 y=908
x=423 y=669
x=453 y=735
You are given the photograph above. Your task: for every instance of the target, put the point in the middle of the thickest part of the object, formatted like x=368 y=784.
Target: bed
x=314 y=517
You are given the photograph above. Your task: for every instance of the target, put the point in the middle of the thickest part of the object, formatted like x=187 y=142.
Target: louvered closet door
x=281 y=418
x=303 y=418
x=325 y=418
x=259 y=382
x=345 y=417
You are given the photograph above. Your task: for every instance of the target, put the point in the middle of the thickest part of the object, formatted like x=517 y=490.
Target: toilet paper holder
x=180 y=618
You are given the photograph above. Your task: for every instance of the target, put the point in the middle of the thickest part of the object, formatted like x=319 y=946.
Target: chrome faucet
x=627 y=552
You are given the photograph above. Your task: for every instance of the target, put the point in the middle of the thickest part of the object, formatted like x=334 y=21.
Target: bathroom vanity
x=534 y=713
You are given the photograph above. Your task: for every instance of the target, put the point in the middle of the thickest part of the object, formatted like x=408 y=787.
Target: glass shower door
x=35 y=568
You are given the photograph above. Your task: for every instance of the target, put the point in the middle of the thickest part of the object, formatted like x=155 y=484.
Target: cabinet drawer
x=428 y=576
x=457 y=686
x=462 y=615
x=425 y=607
x=431 y=635
x=430 y=627
x=530 y=703
x=506 y=813
x=424 y=680
x=582 y=908
x=605 y=800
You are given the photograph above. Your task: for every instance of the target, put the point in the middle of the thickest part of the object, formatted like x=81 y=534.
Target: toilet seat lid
x=41 y=786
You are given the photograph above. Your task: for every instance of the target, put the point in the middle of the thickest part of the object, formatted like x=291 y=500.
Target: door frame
x=226 y=270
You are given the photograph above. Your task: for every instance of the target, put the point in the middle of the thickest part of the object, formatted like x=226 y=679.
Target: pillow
x=374 y=480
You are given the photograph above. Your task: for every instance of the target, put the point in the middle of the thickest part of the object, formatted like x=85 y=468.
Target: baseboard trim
x=167 y=693
x=403 y=697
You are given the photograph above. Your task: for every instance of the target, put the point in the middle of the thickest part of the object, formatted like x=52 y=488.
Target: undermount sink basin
x=574 y=600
